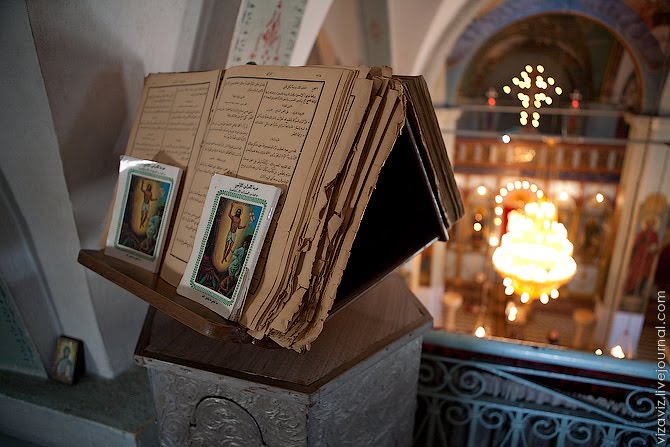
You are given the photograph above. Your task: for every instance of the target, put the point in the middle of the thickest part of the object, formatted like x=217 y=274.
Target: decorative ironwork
x=469 y=403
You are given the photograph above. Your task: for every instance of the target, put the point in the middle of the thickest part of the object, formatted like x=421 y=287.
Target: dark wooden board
x=384 y=314
x=161 y=295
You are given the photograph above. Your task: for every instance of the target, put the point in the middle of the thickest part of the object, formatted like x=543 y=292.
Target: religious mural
x=266 y=32
x=649 y=234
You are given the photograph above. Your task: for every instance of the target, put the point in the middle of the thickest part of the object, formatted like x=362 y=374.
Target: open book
x=320 y=134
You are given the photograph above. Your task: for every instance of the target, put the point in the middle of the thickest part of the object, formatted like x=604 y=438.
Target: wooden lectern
x=213 y=384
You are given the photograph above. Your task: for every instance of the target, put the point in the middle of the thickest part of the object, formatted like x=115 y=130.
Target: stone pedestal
x=356 y=386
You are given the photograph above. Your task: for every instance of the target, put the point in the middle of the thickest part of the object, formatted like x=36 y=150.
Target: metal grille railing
x=482 y=403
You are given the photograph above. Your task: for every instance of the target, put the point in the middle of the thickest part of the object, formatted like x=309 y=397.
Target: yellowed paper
x=319 y=301
x=286 y=298
x=266 y=125
x=171 y=119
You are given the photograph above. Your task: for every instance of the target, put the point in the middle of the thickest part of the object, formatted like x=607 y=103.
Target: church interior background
x=588 y=143
x=563 y=102
x=576 y=154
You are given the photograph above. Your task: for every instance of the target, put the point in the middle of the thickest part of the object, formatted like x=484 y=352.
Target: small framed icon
x=68 y=365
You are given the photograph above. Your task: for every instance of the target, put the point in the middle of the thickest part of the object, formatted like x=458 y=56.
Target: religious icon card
x=68 y=360
x=228 y=242
x=145 y=197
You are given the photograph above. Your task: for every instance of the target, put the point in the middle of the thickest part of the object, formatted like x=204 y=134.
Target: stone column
x=414 y=267
x=452 y=301
x=432 y=298
x=448 y=119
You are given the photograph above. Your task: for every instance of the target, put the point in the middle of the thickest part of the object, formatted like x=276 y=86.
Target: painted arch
x=623 y=21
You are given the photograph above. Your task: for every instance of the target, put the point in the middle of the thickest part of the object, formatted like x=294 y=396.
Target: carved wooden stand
x=356 y=386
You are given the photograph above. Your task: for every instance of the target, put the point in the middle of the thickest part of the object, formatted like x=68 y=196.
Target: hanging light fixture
x=533 y=91
x=535 y=255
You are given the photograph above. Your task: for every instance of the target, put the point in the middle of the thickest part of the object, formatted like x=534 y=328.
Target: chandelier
x=535 y=255
x=532 y=88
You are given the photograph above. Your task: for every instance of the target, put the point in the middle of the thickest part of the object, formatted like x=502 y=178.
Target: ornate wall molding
x=19 y=352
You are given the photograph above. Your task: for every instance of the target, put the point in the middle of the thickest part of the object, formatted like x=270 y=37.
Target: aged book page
x=326 y=193
x=266 y=125
x=363 y=158
x=312 y=327
x=171 y=120
x=272 y=290
x=318 y=301
x=289 y=289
